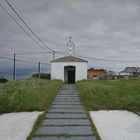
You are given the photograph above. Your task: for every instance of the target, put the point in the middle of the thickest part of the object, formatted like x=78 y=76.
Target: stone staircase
x=66 y=119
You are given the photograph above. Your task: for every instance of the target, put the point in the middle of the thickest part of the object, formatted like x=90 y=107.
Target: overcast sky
x=108 y=29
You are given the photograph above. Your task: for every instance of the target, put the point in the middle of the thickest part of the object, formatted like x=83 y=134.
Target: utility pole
x=39 y=70
x=53 y=55
x=136 y=71
x=14 y=69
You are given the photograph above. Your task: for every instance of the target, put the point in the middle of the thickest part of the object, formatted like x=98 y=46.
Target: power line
x=7 y=73
x=60 y=52
x=111 y=60
x=20 y=60
x=33 y=52
x=27 y=25
x=94 y=58
x=20 y=26
x=52 y=51
x=101 y=59
x=6 y=58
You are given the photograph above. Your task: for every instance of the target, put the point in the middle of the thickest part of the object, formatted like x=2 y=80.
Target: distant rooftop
x=69 y=59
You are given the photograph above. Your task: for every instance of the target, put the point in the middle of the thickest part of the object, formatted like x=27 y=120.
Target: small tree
x=3 y=80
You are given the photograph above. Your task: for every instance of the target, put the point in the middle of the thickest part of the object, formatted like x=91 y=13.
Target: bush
x=42 y=75
x=28 y=95
x=110 y=94
x=3 y=80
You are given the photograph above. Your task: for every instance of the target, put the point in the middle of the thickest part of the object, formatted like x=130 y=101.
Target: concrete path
x=66 y=119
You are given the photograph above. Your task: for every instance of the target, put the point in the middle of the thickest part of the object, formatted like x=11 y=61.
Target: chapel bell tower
x=70 y=47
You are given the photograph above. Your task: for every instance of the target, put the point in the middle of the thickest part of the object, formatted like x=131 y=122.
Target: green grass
x=1 y=84
x=110 y=94
x=28 y=95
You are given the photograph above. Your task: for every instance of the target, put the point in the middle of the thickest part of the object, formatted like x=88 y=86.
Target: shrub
x=119 y=94
x=42 y=75
x=28 y=95
x=3 y=80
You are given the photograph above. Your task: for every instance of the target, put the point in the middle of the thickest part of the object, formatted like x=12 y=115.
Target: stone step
x=68 y=89
x=67 y=103
x=65 y=115
x=66 y=110
x=66 y=138
x=68 y=92
x=68 y=106
x=64 y=130
x=66 y=122
x=65 y=100
x=67 y=95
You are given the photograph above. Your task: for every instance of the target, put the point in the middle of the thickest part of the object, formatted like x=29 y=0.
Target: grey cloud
x=106 y=29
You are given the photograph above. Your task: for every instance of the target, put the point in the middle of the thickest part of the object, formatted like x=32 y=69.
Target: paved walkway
x=66 y=119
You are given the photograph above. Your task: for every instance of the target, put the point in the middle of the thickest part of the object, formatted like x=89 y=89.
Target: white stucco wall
x=57 y=70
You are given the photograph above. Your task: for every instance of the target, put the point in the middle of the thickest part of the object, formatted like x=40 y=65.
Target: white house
x=69 y=68
x=129 y=71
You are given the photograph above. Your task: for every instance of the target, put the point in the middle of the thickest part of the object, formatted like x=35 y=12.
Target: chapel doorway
x=69 y=74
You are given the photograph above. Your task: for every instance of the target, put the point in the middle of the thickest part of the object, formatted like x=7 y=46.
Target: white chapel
x=69 y=68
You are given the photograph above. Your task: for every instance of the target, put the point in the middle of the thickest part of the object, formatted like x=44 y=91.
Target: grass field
x=1 y=84
x=110 y=94
x=28 y=95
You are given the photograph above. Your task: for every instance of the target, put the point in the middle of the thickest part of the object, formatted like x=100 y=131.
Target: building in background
x=130 y=71
x=96 y=73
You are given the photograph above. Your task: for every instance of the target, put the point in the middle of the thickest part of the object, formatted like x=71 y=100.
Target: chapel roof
x=69 y=59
